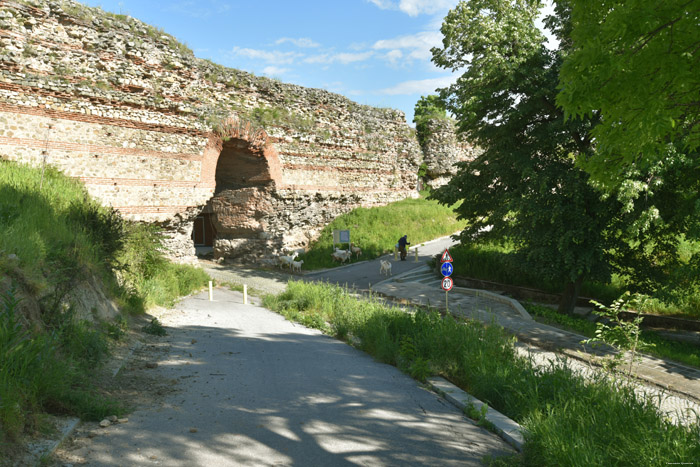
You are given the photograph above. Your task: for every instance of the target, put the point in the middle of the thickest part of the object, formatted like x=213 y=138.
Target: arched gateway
x=242 y=166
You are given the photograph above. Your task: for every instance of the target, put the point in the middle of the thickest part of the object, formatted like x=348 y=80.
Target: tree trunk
x=569 y=297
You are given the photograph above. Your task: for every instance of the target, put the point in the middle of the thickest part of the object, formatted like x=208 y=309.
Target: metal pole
x=211 y=295
x=446 y=309
x=245 y=294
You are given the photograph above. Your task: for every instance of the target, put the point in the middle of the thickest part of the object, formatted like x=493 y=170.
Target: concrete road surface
x=361 y=275
x=255 y=389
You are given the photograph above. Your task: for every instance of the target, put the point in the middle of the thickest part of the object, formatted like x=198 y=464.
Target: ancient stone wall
x=442 y=149
x=158 y=133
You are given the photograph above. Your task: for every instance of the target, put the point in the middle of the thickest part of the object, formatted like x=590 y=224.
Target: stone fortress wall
x=161 y=135
x=442 y=149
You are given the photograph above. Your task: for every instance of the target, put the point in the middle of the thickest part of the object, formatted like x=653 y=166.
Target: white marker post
x=416 y=254
x=211 y=295
x=245 y=294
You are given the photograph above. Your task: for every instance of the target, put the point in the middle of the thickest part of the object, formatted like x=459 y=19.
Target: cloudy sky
x=375 y=52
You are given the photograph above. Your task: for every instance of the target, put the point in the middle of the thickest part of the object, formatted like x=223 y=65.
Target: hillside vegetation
x=376 y=230
x=54 y=241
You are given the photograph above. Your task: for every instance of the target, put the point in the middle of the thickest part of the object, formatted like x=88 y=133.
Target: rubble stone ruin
x=218 y=156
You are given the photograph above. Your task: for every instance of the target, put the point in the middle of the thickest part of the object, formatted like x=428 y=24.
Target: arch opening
x=244 y=179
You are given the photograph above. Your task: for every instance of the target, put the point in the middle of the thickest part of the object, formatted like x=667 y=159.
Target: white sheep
x=341 y=255
x=385 y=267
x=356 y=250
x=296 y=265
x=286 y=260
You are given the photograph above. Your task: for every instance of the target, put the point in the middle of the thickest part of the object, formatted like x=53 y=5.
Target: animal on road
x=384 y=267
x=296 y=265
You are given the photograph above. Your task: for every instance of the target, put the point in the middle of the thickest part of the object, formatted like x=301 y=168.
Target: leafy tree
x=636 y=64
x=525 y=187
x=427 y=108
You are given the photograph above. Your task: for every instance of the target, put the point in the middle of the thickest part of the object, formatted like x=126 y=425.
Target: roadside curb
x=509 y=430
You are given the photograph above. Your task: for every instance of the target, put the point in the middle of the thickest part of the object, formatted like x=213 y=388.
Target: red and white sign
x=447 y=283
x=446 y=258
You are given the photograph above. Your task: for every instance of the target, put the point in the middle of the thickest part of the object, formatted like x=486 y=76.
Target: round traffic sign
x=447 y=283
x=446 y=269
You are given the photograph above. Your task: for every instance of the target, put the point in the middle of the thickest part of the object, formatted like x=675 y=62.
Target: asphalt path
x=363 y=275
x=255 y=389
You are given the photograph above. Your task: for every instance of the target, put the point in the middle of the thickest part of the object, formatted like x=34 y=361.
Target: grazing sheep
x=286 y=260
x=296 y=265
x=341 y=255
x=384 y=267
x=356 y=250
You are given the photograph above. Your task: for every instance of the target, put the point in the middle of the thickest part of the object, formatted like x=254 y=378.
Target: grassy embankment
x=376 y=230
x=568 y=421
x=53 y=238
x=498 y=263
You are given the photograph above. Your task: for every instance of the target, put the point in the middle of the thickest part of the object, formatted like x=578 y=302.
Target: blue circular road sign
x=446 y=269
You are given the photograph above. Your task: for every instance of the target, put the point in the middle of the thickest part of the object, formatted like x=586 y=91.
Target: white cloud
x=416 y=46
x=342 y=58
x=299 y=42
x=421 y=86
x=274 y=56
x=415 y=7
x=274 y=70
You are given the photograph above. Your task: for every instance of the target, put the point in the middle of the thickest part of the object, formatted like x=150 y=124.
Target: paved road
x=255 y=389
x=361 y=275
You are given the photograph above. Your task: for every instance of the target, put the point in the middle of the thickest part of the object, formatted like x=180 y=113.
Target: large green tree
x=525 y=187
x=636 y=65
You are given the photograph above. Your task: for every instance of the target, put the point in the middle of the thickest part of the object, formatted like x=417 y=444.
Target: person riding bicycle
x=403 y=242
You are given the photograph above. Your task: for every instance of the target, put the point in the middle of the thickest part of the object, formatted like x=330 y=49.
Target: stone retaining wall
x=145 y=125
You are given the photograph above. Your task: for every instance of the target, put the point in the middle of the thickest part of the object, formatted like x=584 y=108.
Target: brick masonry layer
x=143 y=123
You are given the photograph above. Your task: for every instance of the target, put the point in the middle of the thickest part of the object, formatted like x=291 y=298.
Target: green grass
x=53 y=236
x=568 y=421
x=497 y=263
x=47 y=372
x=660 y=346
x=376 y=230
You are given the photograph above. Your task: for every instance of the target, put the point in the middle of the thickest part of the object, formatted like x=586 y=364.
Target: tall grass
x=568 y=421
x=52 y=237
x=498 y=263
x=376 y=230
x=46 y=372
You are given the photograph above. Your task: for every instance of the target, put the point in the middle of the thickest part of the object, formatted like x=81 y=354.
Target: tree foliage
x=427 y=108
x=636 y=64
x=525 y=187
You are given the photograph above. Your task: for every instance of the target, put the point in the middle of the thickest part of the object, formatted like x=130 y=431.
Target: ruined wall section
x=133 y=114
x=442 y=149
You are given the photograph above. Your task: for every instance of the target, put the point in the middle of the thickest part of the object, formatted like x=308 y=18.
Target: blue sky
x=375 y=52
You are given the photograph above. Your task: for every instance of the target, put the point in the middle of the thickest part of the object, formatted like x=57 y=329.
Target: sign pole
x=446 y=269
